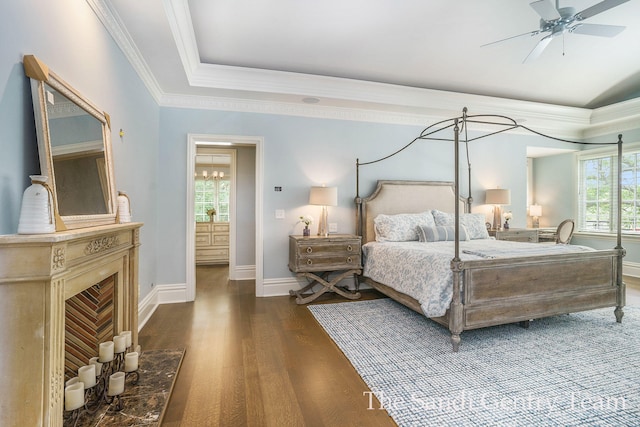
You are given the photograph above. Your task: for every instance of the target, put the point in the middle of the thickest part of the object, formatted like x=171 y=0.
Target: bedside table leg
x=326 y=286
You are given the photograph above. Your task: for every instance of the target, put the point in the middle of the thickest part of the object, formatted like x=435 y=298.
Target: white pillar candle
x=127 y=335
x=116 y=384
x=71 y=381
x=96 y=363
x=87 y=375
x=106 y=351
x=74 y=396
x=131 y=361
x=119 y=344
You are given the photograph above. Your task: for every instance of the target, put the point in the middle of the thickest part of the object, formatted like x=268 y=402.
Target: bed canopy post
x=456 y=309
x=620 y=303
x=358 y=201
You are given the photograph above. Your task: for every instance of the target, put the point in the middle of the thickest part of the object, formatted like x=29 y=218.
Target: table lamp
x=323 y=196
x=536 y=212
x=498 y=197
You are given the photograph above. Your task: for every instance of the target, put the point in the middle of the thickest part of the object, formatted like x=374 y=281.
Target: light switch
x=333 y=227
x=279 y=213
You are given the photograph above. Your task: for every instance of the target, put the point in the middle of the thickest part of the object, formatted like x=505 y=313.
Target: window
x=598 y=191
x=212 y=194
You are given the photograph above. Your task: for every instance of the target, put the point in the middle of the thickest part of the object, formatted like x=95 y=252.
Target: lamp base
x=535 y=222
x=497 y=217
x=323 y=224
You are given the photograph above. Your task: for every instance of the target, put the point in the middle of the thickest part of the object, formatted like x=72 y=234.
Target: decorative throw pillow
x=474 y=223
x=400 y=227
x=440 y=233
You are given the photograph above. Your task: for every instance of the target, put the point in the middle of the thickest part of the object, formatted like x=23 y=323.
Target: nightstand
x=317 y=257
x=516 y=235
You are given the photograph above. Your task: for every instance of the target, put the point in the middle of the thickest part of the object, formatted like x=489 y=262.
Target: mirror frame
x=40 y=76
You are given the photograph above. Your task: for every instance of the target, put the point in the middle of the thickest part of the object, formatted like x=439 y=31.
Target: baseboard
x=243 y=272
x=170 y=294
x=147 y=307
x=160 y=294
x=631 y=269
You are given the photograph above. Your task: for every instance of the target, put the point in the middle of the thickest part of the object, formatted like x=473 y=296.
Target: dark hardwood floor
x=261 y=361
x=256 y=361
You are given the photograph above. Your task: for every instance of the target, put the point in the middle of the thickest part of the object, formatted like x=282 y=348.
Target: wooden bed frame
x=491 y=292
x=499 y=291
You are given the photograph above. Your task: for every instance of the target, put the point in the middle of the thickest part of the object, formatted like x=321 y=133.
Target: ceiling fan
x=556 y=21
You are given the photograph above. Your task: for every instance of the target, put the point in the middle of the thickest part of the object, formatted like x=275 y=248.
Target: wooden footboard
x=508 y=290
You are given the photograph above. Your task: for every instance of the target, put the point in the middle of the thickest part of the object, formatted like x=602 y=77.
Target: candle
x=131 y=361
x=106 y=351
x=127 y=335
x=71 y=381
x=87 y=375
x=74 y=396
x=96 y=363
x=116 y=384
x=119 y=343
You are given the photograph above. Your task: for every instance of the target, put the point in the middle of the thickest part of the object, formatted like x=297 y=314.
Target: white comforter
x=423 y=270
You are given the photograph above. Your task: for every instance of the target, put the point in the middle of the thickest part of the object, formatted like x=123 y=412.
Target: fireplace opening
x=88 y=322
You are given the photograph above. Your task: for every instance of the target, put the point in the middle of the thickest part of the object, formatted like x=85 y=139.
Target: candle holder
x=119 y=406
x=131 y=374
x=71 y=417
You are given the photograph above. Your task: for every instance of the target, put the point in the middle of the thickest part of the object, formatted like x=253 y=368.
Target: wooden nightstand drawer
x=332 y=253
x=203 y=239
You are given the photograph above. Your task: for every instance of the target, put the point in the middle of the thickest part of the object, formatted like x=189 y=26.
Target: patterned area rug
x=570 y=370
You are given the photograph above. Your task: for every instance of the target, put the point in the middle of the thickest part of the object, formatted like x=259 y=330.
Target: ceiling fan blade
x=598 y=8
x=545 y=9
x=530 y=33
x=598 y=30
x=535 y=53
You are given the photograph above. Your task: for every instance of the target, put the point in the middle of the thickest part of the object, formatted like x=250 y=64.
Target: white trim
x=258 y=143
x=146 y=307
x=172 y=293
x=243 y=272
x=631 y=268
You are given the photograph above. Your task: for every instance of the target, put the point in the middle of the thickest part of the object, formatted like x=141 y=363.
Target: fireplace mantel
x=37 y=274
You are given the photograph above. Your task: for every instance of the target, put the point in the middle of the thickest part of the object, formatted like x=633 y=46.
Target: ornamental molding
x=101 y=244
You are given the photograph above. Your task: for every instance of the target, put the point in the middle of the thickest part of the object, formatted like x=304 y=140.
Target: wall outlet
x=279 y=213
x=333 y=227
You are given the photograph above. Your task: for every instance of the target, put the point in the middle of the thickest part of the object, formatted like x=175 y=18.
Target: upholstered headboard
x=394 y=197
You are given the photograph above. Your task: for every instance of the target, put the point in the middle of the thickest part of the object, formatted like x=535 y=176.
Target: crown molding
x=347 y=99
x=116 y=28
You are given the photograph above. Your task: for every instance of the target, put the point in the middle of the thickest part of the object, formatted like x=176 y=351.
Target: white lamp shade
x=535 y=210
x=498 y=196
x=323 y=196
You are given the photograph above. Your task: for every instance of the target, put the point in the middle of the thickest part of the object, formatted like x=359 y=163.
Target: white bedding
x=423 y=270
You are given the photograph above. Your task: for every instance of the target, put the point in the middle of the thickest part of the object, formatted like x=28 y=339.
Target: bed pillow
x=440 y=233
x=474 y=223
x=401 y=227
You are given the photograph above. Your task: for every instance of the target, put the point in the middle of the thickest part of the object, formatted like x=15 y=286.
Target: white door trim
x=202 y=139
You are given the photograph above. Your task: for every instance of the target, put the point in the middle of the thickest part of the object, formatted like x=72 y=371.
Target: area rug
x=572 y=370
x=145 y=402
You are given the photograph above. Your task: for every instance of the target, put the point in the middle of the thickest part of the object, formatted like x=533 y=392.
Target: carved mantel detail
x=58 y=258
x=101 y=244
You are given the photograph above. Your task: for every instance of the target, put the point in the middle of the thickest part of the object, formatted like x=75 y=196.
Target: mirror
x=74 y=144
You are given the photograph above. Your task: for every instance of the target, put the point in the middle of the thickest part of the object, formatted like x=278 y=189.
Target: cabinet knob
x=349 y=260
x=309 y=262
x=309 y=249
x=349 y=248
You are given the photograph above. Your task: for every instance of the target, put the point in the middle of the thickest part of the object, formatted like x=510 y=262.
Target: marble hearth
x=38 y=273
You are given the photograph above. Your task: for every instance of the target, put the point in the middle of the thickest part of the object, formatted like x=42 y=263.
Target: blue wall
x=85 y=55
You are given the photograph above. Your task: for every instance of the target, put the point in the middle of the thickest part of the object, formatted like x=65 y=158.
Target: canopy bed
x=424 y=248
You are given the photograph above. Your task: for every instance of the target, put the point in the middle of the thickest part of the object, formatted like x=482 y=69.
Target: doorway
x=245 y=184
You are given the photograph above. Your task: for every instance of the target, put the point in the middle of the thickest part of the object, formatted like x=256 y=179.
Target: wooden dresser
x=212 y=242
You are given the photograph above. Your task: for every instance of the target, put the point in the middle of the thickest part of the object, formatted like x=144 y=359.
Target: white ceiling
x=372 y=54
